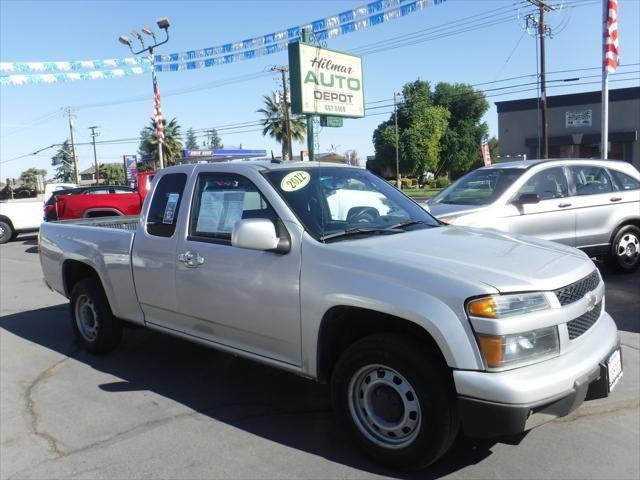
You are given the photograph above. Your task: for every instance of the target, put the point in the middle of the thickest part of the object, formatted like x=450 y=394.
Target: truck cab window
x=163 y=211
x=220 y=201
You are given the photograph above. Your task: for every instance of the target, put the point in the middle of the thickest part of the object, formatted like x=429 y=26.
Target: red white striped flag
x=157 y=110
x=611 y=46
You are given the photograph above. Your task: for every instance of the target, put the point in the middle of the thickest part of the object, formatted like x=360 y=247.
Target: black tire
x=427 y=421
x=624 y=256
x=6 y=232
x=94 y=324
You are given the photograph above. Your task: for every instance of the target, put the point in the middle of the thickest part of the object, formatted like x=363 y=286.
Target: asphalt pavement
x=160 y=407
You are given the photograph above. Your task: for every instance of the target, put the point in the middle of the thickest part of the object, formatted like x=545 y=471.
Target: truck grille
x=584 y=322
x=577 y=290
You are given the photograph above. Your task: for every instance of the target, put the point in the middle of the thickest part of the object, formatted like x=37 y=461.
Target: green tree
x=438 y=130
x=494 y=149
x=29 y=178
x=170 y=147
x=421 y=126
x=461 y=142
x=212 y=140
x=63 y=161
x=112 y=173
x=274 y=124
x=191 y=142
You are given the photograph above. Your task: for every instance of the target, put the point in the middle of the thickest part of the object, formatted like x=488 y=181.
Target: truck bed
x=103 y=244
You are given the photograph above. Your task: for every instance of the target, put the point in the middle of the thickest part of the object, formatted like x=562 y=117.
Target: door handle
x=564 y=205
x=191 y=259
x=615 y=199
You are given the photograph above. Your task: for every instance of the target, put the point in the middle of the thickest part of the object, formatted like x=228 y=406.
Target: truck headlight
x=503 y=306
x=501 y=351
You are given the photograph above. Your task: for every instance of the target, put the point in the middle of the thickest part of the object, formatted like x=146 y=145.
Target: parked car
x=18 y=216
x=593 y=205
x=422 y=329
x=50 y=213
x=102 y=203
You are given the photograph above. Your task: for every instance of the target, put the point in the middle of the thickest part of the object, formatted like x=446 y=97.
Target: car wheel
x=625 y=250
x=6 y=232
x=94 y=324
x=398 y=400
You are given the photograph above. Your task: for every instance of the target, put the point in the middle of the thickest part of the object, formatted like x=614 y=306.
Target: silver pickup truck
x=329 y=272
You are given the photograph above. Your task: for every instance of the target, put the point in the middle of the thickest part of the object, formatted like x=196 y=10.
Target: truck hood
x=509 y=263
x=439 y=210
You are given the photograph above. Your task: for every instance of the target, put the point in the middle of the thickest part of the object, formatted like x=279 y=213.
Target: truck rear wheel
x=398 y=400
x=6 y=232
x=94 y=324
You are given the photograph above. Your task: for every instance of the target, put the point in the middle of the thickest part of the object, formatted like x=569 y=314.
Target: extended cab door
x=244 y=299
x=552 y=217
x=154 y=251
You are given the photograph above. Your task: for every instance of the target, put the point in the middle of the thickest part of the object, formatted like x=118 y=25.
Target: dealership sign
x=325 y=82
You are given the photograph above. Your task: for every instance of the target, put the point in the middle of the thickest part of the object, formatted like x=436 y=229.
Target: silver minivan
x=593 y=205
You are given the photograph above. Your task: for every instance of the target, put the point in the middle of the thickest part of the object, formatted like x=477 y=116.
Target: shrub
x=442 y=182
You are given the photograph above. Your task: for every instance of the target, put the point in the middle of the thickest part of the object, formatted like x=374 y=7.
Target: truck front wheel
x=398 y=400
x=94 y=324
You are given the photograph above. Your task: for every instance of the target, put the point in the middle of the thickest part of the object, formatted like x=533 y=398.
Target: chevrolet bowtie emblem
x=591 y=301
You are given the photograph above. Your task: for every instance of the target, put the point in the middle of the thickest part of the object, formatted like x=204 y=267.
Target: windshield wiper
x=411 y=222
x=360 y=231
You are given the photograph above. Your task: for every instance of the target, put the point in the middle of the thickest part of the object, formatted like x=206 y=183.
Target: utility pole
x=95 y=134
x=287 y=119
x=310 y=138
x=395 y=116
x=542 y=32
x=76 y=178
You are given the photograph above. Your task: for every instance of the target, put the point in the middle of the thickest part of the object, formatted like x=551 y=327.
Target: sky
x=490 y=56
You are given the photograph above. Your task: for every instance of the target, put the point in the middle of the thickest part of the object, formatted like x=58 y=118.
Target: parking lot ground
x=160 y=407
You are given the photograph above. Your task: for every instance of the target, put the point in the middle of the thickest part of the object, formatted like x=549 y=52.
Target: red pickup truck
x=104 y=205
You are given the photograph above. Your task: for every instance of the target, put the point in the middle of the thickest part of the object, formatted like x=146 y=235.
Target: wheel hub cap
x=628 y=248
x=86 y=318
x=384 y=406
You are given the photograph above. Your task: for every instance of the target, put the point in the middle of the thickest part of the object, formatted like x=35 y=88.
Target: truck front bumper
x=507 y=403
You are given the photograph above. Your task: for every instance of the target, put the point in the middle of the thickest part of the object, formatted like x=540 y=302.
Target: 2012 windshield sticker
x=295 y=181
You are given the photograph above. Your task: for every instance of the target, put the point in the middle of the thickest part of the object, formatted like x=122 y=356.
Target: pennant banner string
x=372 y=14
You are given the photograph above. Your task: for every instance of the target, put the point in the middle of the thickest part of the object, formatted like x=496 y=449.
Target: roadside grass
x=421 y=192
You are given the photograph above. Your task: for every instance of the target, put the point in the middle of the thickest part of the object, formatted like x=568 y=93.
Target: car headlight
x=503 y=306
x=500 y=351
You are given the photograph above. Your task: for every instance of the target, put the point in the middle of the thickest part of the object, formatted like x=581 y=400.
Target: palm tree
x=275 y=125
x=170 y=147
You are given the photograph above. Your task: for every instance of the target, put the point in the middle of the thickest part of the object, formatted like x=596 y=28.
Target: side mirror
x=528 y=198
x=258 y=234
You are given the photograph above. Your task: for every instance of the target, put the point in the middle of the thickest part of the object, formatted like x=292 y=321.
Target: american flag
x=157 y=110
x=486 y=154
x=611 y=46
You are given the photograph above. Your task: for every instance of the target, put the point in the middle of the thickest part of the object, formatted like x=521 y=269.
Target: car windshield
x=480 y=187
x=339 y=202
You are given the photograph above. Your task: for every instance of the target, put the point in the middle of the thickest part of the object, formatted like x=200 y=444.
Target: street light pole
x=163 y=23
x=94 y=134
x=395 y=115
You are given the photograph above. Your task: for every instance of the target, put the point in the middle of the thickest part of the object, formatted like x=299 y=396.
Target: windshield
x=480 y=187
x=333 y=201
